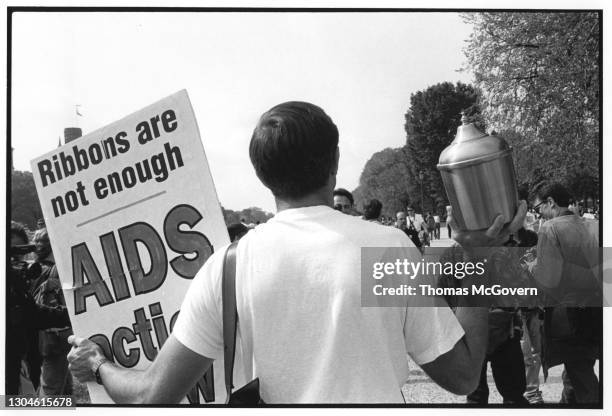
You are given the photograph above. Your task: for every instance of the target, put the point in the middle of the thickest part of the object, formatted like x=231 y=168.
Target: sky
x=361 y=68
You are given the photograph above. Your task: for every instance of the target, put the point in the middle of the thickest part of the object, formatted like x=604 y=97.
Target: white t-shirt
x=417 y=220
x=301 y=328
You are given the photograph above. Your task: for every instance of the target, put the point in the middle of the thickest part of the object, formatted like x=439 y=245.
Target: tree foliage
x=431 y=124
x=386 y=177
x=538 y=74
x=392 y=175
x=252 y=215
x=25 y=207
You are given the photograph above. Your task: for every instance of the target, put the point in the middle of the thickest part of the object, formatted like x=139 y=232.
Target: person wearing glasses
x=567 y=255
x=343 y=201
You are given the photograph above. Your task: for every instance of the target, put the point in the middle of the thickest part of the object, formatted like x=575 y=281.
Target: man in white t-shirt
x=415 y=219
x=302 y=330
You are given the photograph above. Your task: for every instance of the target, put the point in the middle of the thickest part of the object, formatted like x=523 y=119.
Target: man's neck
x=317 y=198
x=561 y=211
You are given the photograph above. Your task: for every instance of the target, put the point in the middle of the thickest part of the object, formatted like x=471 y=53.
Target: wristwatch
x=96 y=369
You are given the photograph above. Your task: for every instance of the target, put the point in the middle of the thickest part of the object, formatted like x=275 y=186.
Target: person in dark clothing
x=53 y=342
x=371 y=210
x=237 y=231
x=504 y=348
x=23 y=314
x=506 y=358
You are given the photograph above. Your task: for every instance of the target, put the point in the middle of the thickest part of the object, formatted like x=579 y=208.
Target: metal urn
x=478 y=175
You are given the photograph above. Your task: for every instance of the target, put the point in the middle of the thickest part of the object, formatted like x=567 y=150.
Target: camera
x=22 y=250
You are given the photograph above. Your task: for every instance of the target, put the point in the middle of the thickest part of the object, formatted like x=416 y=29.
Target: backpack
x=412 y=232
x=431 y=223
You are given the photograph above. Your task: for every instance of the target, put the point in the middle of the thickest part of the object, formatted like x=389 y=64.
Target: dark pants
x=55 y=378
x=508 y=373
x=12 y=372
x=580 y=384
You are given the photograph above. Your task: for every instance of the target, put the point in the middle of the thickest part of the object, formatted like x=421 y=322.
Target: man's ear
x=334 y=170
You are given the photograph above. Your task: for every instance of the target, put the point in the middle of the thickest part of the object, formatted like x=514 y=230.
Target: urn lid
x=471 y=146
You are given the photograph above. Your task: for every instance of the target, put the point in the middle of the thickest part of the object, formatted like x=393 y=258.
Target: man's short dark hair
x=345 y=193
x=18 y=230
x=236 y=230
x=556 y=191
x=293 y=148
x=371 y=210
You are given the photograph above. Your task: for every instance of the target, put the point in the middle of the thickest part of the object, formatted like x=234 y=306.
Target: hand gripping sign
x=132 y=214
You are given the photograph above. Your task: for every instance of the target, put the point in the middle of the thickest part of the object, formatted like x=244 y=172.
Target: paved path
x=444 y=241
x=421 y=389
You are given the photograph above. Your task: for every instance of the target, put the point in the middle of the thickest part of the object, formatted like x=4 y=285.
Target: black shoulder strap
x=230 y=315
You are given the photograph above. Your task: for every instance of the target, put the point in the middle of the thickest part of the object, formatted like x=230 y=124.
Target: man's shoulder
x=352 y=228
x=213 y=266
x=563 y=222
x=373 y=230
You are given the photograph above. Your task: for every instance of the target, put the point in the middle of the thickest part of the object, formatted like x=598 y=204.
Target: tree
x=386 y=177
x=255 y=215
x=249 y=215
x=431 y=124
x=25 y=207
x=538 y=74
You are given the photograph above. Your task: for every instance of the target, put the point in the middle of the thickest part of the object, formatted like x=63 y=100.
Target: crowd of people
x=421 y=229
x=38 y=325
x=302 y=331
x=516 y=333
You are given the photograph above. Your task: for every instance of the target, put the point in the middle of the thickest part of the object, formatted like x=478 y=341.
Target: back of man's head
x=556 y=192
x=371 y=210
x=293 y=149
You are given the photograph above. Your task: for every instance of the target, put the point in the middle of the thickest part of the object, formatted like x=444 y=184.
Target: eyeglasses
x=537 y=207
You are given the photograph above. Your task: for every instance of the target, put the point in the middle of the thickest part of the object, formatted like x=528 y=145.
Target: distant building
x=72 y=133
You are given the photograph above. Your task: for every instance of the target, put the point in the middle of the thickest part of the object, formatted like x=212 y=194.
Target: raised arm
x=458 y=370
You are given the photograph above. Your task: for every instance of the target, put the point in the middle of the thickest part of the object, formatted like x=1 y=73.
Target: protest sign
x=132 y=214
